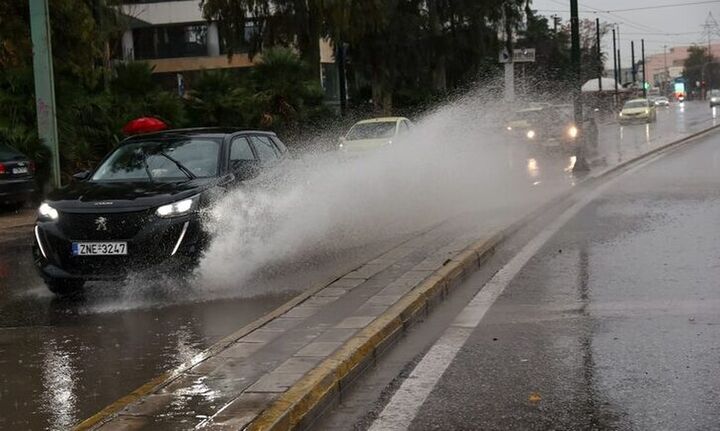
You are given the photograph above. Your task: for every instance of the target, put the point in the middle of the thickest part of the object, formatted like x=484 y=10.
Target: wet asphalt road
x=61 y=361
x=613 y=325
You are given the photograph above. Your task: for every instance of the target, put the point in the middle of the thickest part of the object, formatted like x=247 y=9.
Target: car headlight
x=621 y=114
x=509 y=128
x=531 y=134
x=647 y=111
x=179 y=208
x=573 y=132
x=46 y=212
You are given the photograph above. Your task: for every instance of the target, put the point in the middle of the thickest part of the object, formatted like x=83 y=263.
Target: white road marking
x=399 y=413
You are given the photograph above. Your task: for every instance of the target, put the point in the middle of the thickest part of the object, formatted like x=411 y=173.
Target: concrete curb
x=312 y=393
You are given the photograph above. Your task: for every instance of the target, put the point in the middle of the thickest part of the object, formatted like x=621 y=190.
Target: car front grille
x=103 y=226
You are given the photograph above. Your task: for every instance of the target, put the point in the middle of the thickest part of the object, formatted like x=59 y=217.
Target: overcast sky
x=671 y=26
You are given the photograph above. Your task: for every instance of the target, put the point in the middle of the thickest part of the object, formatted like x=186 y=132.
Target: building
x=662 y=68
x=173 y=37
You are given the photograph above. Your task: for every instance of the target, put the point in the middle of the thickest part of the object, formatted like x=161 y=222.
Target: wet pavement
x=614 y=324
x=61 y=361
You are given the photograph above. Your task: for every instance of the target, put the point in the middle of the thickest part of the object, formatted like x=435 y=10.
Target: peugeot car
x=140 y=208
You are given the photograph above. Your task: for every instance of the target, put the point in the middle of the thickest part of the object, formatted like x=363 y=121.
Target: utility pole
x=599 y=53
x=666 y=72
x=620 y=78
x=342 y=81
x=615 y=68
x=632 y=58
x=642 y=52
x=44 y=84
x=581 y=164
x=509 y=65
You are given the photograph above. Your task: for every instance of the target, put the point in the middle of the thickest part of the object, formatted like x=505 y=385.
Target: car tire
x=65 y=288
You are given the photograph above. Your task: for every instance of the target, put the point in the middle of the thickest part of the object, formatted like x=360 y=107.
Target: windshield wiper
x=147 y=167
x=180 y=166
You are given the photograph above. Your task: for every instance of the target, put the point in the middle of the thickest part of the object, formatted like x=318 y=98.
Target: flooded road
x=63 y=360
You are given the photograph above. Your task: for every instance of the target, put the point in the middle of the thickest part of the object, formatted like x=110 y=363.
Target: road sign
x=524 y=55
x=504 y=56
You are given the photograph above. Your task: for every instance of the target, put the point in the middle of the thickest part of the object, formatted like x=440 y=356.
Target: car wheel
x=65 y=288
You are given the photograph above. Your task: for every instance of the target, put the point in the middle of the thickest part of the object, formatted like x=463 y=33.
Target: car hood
x=88 y=196
x=634 y=110
x=365 y=144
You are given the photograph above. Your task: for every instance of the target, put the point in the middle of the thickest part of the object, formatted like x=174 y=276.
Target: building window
x=170 y=41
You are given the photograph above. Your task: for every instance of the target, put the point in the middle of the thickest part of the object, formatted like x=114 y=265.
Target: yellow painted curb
x=312 y=389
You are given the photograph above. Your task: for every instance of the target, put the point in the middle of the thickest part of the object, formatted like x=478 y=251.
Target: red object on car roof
x=144 y=125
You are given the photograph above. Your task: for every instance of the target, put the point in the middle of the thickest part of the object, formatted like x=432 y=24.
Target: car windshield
x=161 y=160
x=636 y=104
x=377 y=130
x=715 y=93
x=9 y=153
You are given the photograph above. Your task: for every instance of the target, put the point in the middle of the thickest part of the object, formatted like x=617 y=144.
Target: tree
x=699 y=67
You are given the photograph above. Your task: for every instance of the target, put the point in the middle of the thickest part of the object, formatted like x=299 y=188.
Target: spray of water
x=454 y=161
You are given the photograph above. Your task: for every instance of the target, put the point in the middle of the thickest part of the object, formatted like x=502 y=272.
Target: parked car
x=374 y=133
x=637 y=110
x=140 y=208
x=17 y=182
x=714 y=98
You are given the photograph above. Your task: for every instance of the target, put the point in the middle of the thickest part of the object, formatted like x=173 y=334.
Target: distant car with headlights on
x=17 y=182
x=637 y=111
x=547 y=127
x=141 y=208
x=661 y=101
x=374 y=133
x=714 y=97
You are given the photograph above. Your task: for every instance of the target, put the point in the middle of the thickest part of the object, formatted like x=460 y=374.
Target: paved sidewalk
x=14 y=224
x=229 y=389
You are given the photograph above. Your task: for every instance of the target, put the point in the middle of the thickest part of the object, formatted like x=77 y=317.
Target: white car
x=714 y=96
x=374 y=133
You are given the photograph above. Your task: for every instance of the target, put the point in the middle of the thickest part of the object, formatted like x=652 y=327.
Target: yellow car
x=374 y=133
x=637 y=110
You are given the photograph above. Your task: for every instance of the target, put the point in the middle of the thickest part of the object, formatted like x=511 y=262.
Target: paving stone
x=355 y=322
x=240 y=412
x=371 y=310
x=337 y=334
x=274 y=382
x=302 y=311
x=333 y=291
x=367 y=271
x=261 y=336
x=384 y=299
x=346 y=282
x=133 y=423
x=319 y=349
x=298 y=365
x=241 y=350
x=319 y=301
x=282 y=323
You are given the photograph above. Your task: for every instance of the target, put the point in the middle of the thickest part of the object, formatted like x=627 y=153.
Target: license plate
x=17 y=171
x=99 y=248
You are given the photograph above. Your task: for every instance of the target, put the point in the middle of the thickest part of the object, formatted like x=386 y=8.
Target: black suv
x=141 y=207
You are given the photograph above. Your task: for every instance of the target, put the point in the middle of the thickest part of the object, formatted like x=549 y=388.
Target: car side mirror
x=245 y=169
x=82 y=175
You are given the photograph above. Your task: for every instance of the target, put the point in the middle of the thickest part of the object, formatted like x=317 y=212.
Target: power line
x=632 y=9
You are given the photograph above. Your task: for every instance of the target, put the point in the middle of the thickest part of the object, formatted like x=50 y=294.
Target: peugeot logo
x=101 y=223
